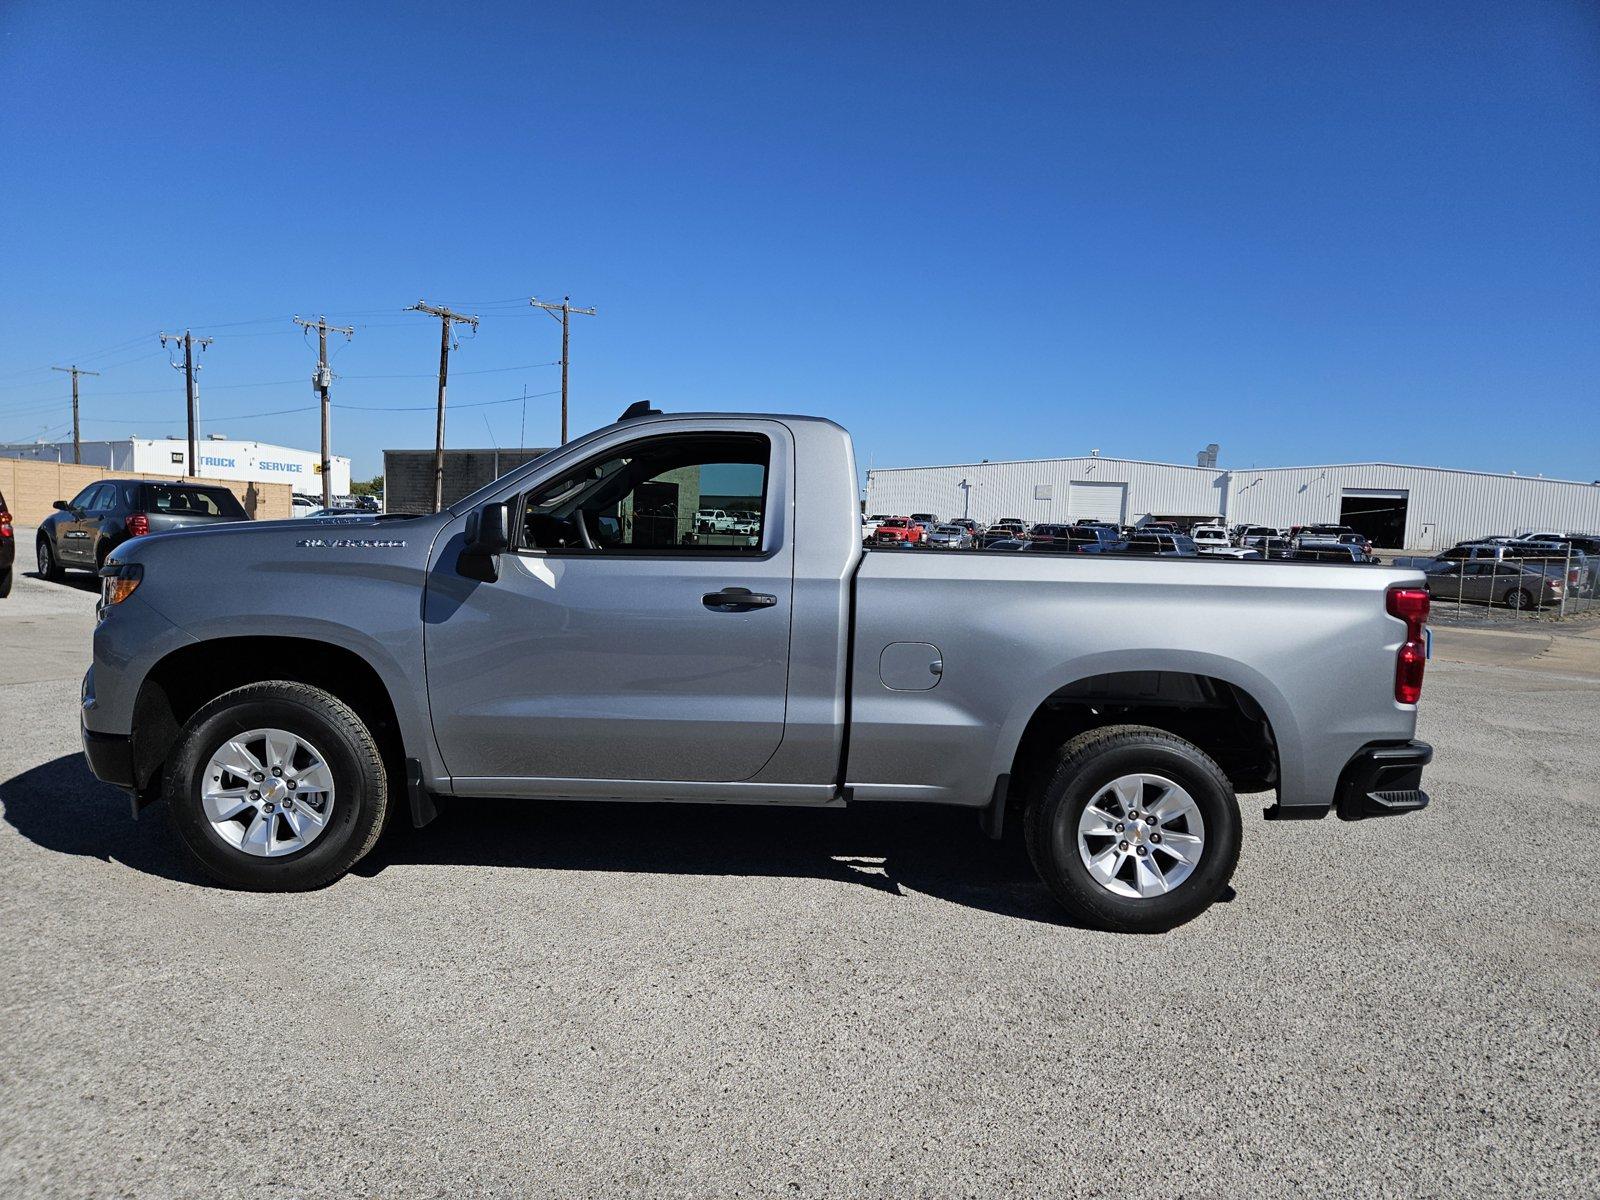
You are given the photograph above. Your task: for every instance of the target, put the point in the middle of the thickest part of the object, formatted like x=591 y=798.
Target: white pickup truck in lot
x=568 y=633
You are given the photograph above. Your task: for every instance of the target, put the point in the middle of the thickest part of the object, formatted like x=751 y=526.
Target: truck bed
x=1011 y=631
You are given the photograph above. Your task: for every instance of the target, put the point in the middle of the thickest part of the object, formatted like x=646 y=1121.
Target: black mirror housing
x=487 y=535
x=62 y=505
x=489 y=529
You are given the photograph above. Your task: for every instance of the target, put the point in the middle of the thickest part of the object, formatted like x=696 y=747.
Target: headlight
x=118 y=581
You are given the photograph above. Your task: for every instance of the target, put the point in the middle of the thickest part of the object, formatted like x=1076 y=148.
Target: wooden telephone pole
x=190 y=393
x=321 y=382
x=446 y=320
x=566 y=310
x=76 y=371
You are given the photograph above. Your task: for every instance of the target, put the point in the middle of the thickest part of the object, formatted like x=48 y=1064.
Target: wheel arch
x=1240 y=719
x=186 y=678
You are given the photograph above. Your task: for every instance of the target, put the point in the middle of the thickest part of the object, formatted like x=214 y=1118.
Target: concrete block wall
x=31 y=489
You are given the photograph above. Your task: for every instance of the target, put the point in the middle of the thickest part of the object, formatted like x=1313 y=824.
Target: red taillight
x=1411 y=606
x=5 y=524
x=138 y=524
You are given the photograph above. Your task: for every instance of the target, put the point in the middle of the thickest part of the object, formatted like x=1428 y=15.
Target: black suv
x=104 y=515
x=8 y=548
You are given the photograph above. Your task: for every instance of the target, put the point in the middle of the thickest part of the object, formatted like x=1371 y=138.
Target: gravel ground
x=577 y=1000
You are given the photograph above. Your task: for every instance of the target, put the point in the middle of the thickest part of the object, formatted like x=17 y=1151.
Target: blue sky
x=1310 y=233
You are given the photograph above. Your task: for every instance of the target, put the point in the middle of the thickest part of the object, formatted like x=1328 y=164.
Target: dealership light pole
x=320 y=382
x=566 y=310
x=446 y=319
x=76 y=371
x=191 y=395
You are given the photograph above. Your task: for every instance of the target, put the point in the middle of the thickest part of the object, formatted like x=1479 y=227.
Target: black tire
x=1518 y=598
x=49 y=565
x=5 y=583
x=360 y=785
x=1083 y=768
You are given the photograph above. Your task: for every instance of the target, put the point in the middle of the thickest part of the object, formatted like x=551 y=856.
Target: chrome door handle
x=737 y=599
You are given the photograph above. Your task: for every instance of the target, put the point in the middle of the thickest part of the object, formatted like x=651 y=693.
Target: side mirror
x=62 y=505
x=489 y=529
x=488 y=533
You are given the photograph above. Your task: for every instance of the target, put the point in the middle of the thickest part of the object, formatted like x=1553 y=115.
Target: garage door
x=1097 y=502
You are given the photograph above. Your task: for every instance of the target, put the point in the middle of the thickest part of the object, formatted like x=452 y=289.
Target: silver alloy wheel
x=44 y=558
x=1141 y=836
x=267 y=792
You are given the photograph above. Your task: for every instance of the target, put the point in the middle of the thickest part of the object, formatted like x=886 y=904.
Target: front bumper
x=110 y=756
x=1383 y=779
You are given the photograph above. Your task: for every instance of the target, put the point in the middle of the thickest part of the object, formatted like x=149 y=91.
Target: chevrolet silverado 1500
x=574 y=630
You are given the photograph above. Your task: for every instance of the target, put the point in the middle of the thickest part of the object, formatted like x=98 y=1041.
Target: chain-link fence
x=1540 y=584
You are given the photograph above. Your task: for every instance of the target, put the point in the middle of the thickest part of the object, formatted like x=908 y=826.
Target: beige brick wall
x=31 y=489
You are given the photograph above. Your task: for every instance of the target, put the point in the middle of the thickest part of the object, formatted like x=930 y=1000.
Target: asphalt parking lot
x=580 y=1000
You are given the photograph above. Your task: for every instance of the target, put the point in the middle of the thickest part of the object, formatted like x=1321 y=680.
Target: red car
x=8 y=548
x=897 y=530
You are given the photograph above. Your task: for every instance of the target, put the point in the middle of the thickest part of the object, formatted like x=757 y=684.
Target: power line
x=429 y=407
x=447 y=318
x=484 y=371
x=148 y=420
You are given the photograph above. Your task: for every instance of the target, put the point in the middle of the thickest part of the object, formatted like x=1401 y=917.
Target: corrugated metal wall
x=1040 y=490
x=1443 y=506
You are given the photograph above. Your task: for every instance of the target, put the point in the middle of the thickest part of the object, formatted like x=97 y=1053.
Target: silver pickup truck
x=572 y=631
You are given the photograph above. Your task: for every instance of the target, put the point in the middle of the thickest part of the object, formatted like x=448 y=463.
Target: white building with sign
x=220 y=458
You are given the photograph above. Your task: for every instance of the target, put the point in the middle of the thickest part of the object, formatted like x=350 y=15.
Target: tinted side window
x=687 y=494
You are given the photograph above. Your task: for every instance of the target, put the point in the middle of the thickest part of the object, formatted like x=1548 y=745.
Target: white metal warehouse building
x=1417 y=508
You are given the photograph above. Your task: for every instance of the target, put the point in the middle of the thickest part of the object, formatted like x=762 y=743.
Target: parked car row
x=303 y=505
x=1544 y=569
x=1161 y=538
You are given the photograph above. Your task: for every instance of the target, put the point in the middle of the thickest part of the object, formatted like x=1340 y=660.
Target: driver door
x=75 y=538
x=624 y=639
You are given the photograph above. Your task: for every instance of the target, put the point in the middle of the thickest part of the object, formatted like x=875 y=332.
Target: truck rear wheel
x=276 y=787
x=1135 y=830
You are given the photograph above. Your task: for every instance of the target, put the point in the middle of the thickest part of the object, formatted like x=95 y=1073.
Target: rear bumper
x=1383 y=779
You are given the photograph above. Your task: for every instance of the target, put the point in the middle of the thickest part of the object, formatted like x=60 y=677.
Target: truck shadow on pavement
x=60 y=806
x=895 y=850
x=892 y=849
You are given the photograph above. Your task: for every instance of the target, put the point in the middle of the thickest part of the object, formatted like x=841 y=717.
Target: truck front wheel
x=276 y=787
x=1135 y=830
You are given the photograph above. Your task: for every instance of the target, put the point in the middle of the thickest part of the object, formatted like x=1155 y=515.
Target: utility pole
x=191 y=395
x=446 y=320
x=566 y=310
x=320 y=382
x=76 y=371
